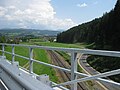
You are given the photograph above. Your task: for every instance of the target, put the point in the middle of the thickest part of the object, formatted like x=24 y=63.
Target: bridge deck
x=14 y=78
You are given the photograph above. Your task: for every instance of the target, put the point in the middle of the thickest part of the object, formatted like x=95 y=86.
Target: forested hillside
x=101 y=33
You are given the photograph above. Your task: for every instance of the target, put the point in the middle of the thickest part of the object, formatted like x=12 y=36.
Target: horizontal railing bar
x=17 y=55
x=108 y=81
x=21 y=56
x=43 y=63
x=85 y=51
x=7 y=52
x=98 y=79
x=54 y=66
x=109 y=73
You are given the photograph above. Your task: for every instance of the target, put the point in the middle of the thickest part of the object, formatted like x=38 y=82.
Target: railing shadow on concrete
x=73 y=70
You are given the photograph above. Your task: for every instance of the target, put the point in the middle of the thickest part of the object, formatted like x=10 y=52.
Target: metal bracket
x=44 y=79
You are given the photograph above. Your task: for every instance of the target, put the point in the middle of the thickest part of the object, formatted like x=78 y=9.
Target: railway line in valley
x=64 y=76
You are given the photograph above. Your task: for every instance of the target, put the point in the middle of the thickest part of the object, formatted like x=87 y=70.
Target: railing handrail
x=73 y=52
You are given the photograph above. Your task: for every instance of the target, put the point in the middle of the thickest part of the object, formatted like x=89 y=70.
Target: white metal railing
x=73 y=69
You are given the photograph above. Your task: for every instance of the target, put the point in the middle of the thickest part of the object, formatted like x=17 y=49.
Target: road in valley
x=89 y=70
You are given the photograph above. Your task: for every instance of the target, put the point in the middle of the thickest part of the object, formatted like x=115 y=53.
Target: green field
x=54 y=44
x=37 y=40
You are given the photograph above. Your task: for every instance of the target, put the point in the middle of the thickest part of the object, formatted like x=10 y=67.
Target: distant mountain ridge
x=22 y=32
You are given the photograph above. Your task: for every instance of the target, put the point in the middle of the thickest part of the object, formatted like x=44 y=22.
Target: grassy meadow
x=54 y=44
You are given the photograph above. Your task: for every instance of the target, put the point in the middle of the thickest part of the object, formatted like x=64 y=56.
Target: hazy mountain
x=22 y=32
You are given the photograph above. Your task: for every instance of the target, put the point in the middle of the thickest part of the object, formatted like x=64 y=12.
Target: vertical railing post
x=30 y=58
x=73 y=69
x=3 y=50
x=13 y=54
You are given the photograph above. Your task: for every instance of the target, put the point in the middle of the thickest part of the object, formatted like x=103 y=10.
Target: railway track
x=64 y=75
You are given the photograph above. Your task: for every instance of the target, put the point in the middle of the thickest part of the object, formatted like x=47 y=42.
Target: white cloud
x=82 y=5
x=62 y=23
x=8 y=17
x=12 y=7
x=34 y=12
x=2 y=11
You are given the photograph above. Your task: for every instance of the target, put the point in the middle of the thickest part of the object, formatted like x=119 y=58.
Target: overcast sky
x=51 y=14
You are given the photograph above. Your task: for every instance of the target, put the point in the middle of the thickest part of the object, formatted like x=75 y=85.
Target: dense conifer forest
x=101 y=33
